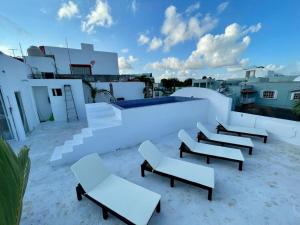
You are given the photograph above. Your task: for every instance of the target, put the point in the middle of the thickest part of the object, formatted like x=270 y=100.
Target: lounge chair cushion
x=178 y=168
x=188 y=171
x=185 y=138
x=151 y=153
x=245 y=130
x=90 y=171
x=129 y=200
x=207 y=149
x=229 y=139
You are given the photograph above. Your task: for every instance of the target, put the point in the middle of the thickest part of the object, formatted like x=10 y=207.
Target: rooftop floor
x=267 y=191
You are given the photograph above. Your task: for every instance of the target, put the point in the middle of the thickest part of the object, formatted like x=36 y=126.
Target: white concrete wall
x=13 y=78
x=219 y=105
x=58 y=102
x=285 y=130
x=106 y=63
x=42 y=64
x=127 y=90
x=140 y=124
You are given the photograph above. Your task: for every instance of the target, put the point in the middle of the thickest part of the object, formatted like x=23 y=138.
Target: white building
x=25 y=102
x=84 y=61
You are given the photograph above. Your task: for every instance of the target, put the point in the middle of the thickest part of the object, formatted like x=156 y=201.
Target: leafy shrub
x=14 y=172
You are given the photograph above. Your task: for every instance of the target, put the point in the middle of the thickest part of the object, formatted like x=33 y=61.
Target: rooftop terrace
x=267 y=191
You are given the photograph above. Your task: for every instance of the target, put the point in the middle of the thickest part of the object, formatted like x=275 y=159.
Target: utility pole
x=69 y=55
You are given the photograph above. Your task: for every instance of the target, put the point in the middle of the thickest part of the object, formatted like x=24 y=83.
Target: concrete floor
x=267 y=191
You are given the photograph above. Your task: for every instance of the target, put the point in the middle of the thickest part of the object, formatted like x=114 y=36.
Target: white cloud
x=169 y=63
x=44 y=11
x=133 y=6
x=177 y=29
x=192 y=8
x=212 y=51
x=253 y=28
x=274 y=67
x=100 y=16
x=222 y=49
x=68 y=10
x=222 y=7
x=125 y=50
x=126 y=63
x=155 y=43
x=143 y=39
x=180 y=27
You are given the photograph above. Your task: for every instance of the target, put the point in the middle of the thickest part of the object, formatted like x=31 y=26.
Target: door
x=22 y=111
x=42 y=102
x=5 y=128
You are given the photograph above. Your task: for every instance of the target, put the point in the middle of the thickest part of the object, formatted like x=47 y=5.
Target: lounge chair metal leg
x=158 y=207
x=142 y=171
x=104 y=213
x=240 y=166
x=250 y=151
x=207 y=159
x=265 y=139
x=210 y=194
x=79 y=192
x=172 y=182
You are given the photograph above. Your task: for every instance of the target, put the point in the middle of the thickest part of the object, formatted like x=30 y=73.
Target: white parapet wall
x=219 y=105
x=285 y=130
x=136 y=125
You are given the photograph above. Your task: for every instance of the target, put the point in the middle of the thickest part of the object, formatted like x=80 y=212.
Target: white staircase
x=99 y=116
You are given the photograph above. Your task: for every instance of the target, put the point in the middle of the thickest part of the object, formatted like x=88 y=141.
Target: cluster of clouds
x=213 y=51
x=99 y=16
x=125 y=63
x=178 y=28
x=223 y=50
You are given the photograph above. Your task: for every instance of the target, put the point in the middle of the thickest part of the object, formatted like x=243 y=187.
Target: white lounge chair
x=156 y=162
x=189 y=145
x=222 y=139
x=129 y=202
x=239 y=130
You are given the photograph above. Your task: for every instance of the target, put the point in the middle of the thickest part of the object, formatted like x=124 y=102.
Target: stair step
x=57 y=154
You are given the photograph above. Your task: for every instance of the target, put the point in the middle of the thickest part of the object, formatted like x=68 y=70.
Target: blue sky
x=168 y=38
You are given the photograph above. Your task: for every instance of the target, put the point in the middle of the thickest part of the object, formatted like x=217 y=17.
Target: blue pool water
x=151 y=101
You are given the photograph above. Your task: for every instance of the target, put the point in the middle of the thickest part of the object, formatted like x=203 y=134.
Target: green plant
x=14 y=172
x=93 y=90
x=297 y=107
x=51 y=117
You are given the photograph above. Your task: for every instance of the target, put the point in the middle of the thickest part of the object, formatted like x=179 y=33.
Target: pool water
x=152 y=101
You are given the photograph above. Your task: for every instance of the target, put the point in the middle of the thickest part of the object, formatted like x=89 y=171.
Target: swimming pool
x=151 y=101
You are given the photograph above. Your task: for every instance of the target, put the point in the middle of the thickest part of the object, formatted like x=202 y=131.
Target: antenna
x=13 y=51
x=21 y=50
x=69 y=55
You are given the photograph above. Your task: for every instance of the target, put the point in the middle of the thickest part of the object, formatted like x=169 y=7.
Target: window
x=196 y=84
x=56 y=92
x=268 y=94
x=295 y=96
x=78 y=69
